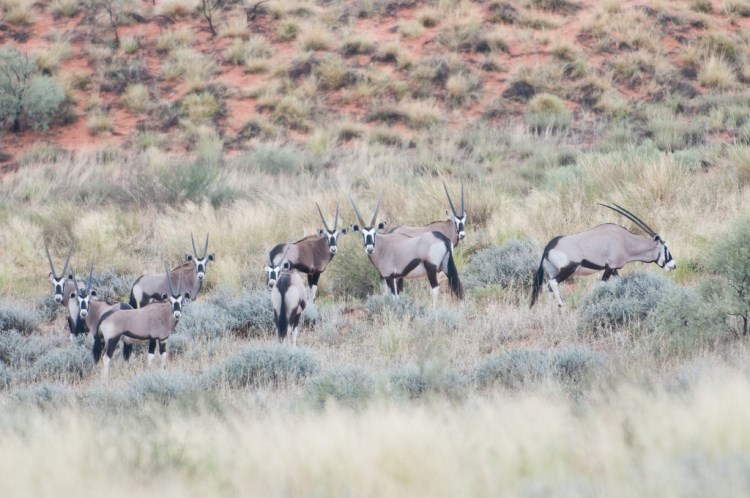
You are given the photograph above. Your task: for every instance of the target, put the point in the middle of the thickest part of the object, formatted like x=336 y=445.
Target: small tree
x=24 y=93
x=209 y=9
x=730 y=260
x=115 y=12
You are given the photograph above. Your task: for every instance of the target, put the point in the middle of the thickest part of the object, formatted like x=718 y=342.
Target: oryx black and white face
x=58 y=282
x=331 y=234
x=273 y=274
x=665 y=260
x=84 y=294
x=368 y=232
x=201 y=262
x=459 y=219
x=175 y=298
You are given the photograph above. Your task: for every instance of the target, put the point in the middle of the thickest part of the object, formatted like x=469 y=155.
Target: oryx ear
x=381 y=225
x=70 y=276
x=72 y=295
x=657 y=238
x=343 y=231
x=92 y=293
x=355 y=227
x=187 y=295
x=164 y=297
x=211 y=257
x=269 y=269
x=188 y=257
x=321 y=232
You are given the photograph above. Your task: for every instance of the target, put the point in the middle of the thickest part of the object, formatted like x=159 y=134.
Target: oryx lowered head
x=607 y=247
x=309 y=255
x=398 y=256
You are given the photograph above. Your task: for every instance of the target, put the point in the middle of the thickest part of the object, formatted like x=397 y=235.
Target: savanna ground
x=540 y=108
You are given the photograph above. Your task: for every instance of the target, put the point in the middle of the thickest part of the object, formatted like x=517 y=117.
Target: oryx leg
x=390 y=284
x=432 y=276
x=111 y=347
x=559 y=278
x=312 y=282
x=163 y=352
x=293 y=322
x=608 y=272
x=127 y=350
x=400 y=286
x=151 y=350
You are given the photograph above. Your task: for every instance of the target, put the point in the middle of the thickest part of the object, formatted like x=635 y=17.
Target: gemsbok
x=400 y=256
x=453 y=228
x=151 y=287
x=288 y=299
x=153 y=323
x=63 y=286
x=606 y=247
x=310 y=255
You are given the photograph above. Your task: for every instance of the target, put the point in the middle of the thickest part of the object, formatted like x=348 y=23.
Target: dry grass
x=717 y=73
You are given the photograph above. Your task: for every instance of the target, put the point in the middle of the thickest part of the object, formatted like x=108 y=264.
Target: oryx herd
x=403 y=252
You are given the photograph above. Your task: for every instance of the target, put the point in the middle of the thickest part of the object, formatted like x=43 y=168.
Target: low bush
x=68 y=365
x=16 y=317
x=163 y=387
x=6 y=376
x=413 y=382
x=514 y=369
x=547 y=113
x=510 y=265
x=44 y=396
x=277 y=159
x=112 y=286
x=275 y=366
x=378 y=306
x=351 y=273
x=349 y=386
x=575 y=365
x=18 y=350
x=620 y=302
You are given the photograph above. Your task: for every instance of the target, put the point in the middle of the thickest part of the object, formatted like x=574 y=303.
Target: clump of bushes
x=163 y=386
x=351 y=273
x=44 y=396
x=69 y=364
x=276 y=160
x=620 y=302
x=547 y=113
x=18 y=350
x=112 y=286
x=509 y=265
x=350 y=386
x=254 y=367
x=379 y=305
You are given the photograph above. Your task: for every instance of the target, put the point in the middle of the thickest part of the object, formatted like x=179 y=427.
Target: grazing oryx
x=151 y=287
x=400 y=256
x=454 y=228
x=151 y=323
x=63 y=286
x=310 y=255
x=288 y=299
x=606 y=247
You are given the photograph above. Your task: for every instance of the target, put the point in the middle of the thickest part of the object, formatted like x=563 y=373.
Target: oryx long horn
x=67 y=260
x=463 y=211
x=450 y=201
x=49 y=258
x=288 y=245
x=169 y=279
x=624 y=212
x=323 y=218
x=179 y=287
x=336 y=218
x=377 y=208
x=356 y=211
x=205 y=249
x=91 y=274
x=192 y=240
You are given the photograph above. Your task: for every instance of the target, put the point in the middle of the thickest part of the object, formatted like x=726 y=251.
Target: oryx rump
x=151 y=287
x=288 y=299
x=310 y=255
x=399 y=256
x=606 y=247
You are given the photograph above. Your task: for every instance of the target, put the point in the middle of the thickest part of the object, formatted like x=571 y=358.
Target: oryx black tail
x=451 y=271
x=282 y=320
x=539 y=277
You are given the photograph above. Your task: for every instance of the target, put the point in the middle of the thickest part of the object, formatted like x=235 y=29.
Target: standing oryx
x=453 y=228
x=63 y=286
x=310 y=255
x=151 y=287
x=400 y=256
x=91 y=310
x=288 y=299
x=151 y=323
x=606 y=247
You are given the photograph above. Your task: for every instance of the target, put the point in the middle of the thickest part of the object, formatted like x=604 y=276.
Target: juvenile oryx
x=399 y=256
x=288 y=299
x=453 y=228
x=151 y=323
x=151 y=287
x=63 y=286
x=606 y=247
x=310 y=255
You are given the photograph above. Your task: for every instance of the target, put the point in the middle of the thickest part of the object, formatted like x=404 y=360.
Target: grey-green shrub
x=378 y=306
x=620 y=302
x=164 y=387
x=46 y=308
x=112 y=286
x=729 y=259
x=351 y=273
x=514 y=369
x=512 y=264
x=276 y=160
x=416 y=382
x=575 y=365
x=276 y=365
x=68 y=364
x=16 y=317
x=18 y=350
x=6 y=376
x=45 y=396
x=348 y=385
